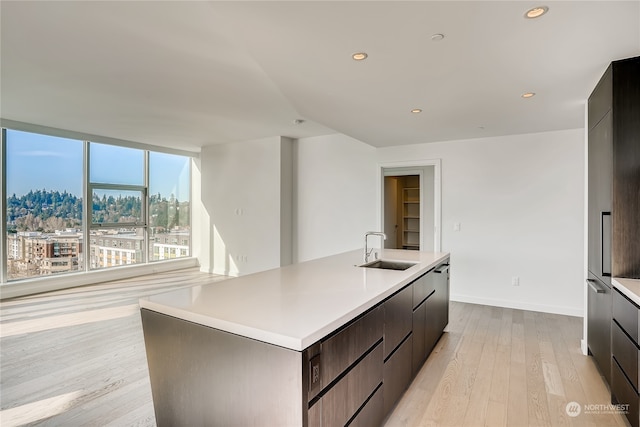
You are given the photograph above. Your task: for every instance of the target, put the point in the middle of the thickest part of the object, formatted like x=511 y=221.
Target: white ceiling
x=187 y=74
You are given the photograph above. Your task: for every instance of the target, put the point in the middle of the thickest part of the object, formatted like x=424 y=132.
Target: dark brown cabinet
x=613 y=197
x=600 y=188
x=625 y=356
x=397 y=374
x=342 y=349
x=425 y=304
x=419 y=334
x=356 y=375
x=440 y=316
x=430 y=312
x=625 y=247
x=600 y=198
x=614 y=172
x=348 y=396
x=599 y=324
x=423 y=288
x=397 y=319
x=344 y=373
x=398 y=341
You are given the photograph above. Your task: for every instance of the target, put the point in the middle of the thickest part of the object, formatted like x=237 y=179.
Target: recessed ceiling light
x=416 y=111
x=528 y=94
x=359 y=56
x=298 y=121
x=536 y=12
x=437 y=37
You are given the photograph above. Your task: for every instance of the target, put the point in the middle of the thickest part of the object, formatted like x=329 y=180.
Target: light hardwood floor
x=76 y=358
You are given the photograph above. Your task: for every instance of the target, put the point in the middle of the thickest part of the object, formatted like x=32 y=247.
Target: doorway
x=402 y=211
x=410 y=205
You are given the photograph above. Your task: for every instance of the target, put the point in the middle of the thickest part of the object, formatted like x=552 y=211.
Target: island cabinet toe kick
x=353 y=376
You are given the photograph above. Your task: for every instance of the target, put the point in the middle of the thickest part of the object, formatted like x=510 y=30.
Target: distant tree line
x=48 y=211
x=168 y=213
x=109 y=209
x=43 y=210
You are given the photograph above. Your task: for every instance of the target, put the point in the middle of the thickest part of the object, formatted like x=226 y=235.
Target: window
x=116 y=207
x=44 y=204
x=130 y=161
x=47 y=180
x=118 y=200
x=169 y=203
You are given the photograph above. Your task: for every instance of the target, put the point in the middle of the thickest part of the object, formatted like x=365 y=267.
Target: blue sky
x=36 y=162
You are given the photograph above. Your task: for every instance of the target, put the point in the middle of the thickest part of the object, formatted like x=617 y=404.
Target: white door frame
x=407 y=171
x=437 y=196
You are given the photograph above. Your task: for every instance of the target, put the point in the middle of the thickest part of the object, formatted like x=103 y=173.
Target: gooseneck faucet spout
x=367 y=252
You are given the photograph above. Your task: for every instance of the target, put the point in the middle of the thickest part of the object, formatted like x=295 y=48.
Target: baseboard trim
x=568 y=311
x=224 y=273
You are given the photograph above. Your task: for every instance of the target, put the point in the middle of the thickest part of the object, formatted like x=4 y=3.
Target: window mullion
x=3 y=216
x=145 y=207
x=87 y=207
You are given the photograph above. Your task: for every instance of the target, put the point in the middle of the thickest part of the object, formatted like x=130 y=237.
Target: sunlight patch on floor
x=39 y=410
x=53 y=322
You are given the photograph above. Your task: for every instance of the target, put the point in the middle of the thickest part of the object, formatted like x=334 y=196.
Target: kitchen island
x=323 y=342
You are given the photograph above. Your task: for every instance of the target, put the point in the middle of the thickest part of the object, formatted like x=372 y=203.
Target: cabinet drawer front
x=422 y=287
x=623 y=393
x=442 y=297
x=339 y=351
x=625 y=352
x=397 y=374
x=419 y=347
x=343 y=399
x=398 y=319
x=626 y=314
x=372 y=413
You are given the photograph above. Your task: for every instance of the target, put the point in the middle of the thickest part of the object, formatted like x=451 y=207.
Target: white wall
x=242 y=195
x=334 y=195
x=200 y=221
x=519 y=200
x=428 y=214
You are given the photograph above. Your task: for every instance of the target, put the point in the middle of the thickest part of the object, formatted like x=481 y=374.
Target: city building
x=33 y=253
x=169 y=245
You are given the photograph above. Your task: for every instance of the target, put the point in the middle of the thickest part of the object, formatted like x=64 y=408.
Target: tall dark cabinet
x=614 y=173
x=600 y=196
x=613 y=202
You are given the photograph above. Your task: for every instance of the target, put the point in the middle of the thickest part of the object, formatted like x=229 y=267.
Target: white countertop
x=629 y=287
x=296 y=305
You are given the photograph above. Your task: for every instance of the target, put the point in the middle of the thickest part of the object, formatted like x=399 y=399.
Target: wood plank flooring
x=76 y=358
x=505 y=367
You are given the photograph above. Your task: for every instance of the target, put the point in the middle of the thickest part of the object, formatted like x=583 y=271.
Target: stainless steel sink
x=388 y=265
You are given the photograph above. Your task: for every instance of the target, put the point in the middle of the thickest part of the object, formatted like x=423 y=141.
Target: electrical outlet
x=515 y=281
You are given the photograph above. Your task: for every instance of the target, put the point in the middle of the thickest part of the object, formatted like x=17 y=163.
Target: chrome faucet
x=367 y=253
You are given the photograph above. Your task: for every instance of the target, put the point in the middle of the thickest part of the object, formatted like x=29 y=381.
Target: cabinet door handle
x=595 y=286
x=442 y=269
x=605 y=243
